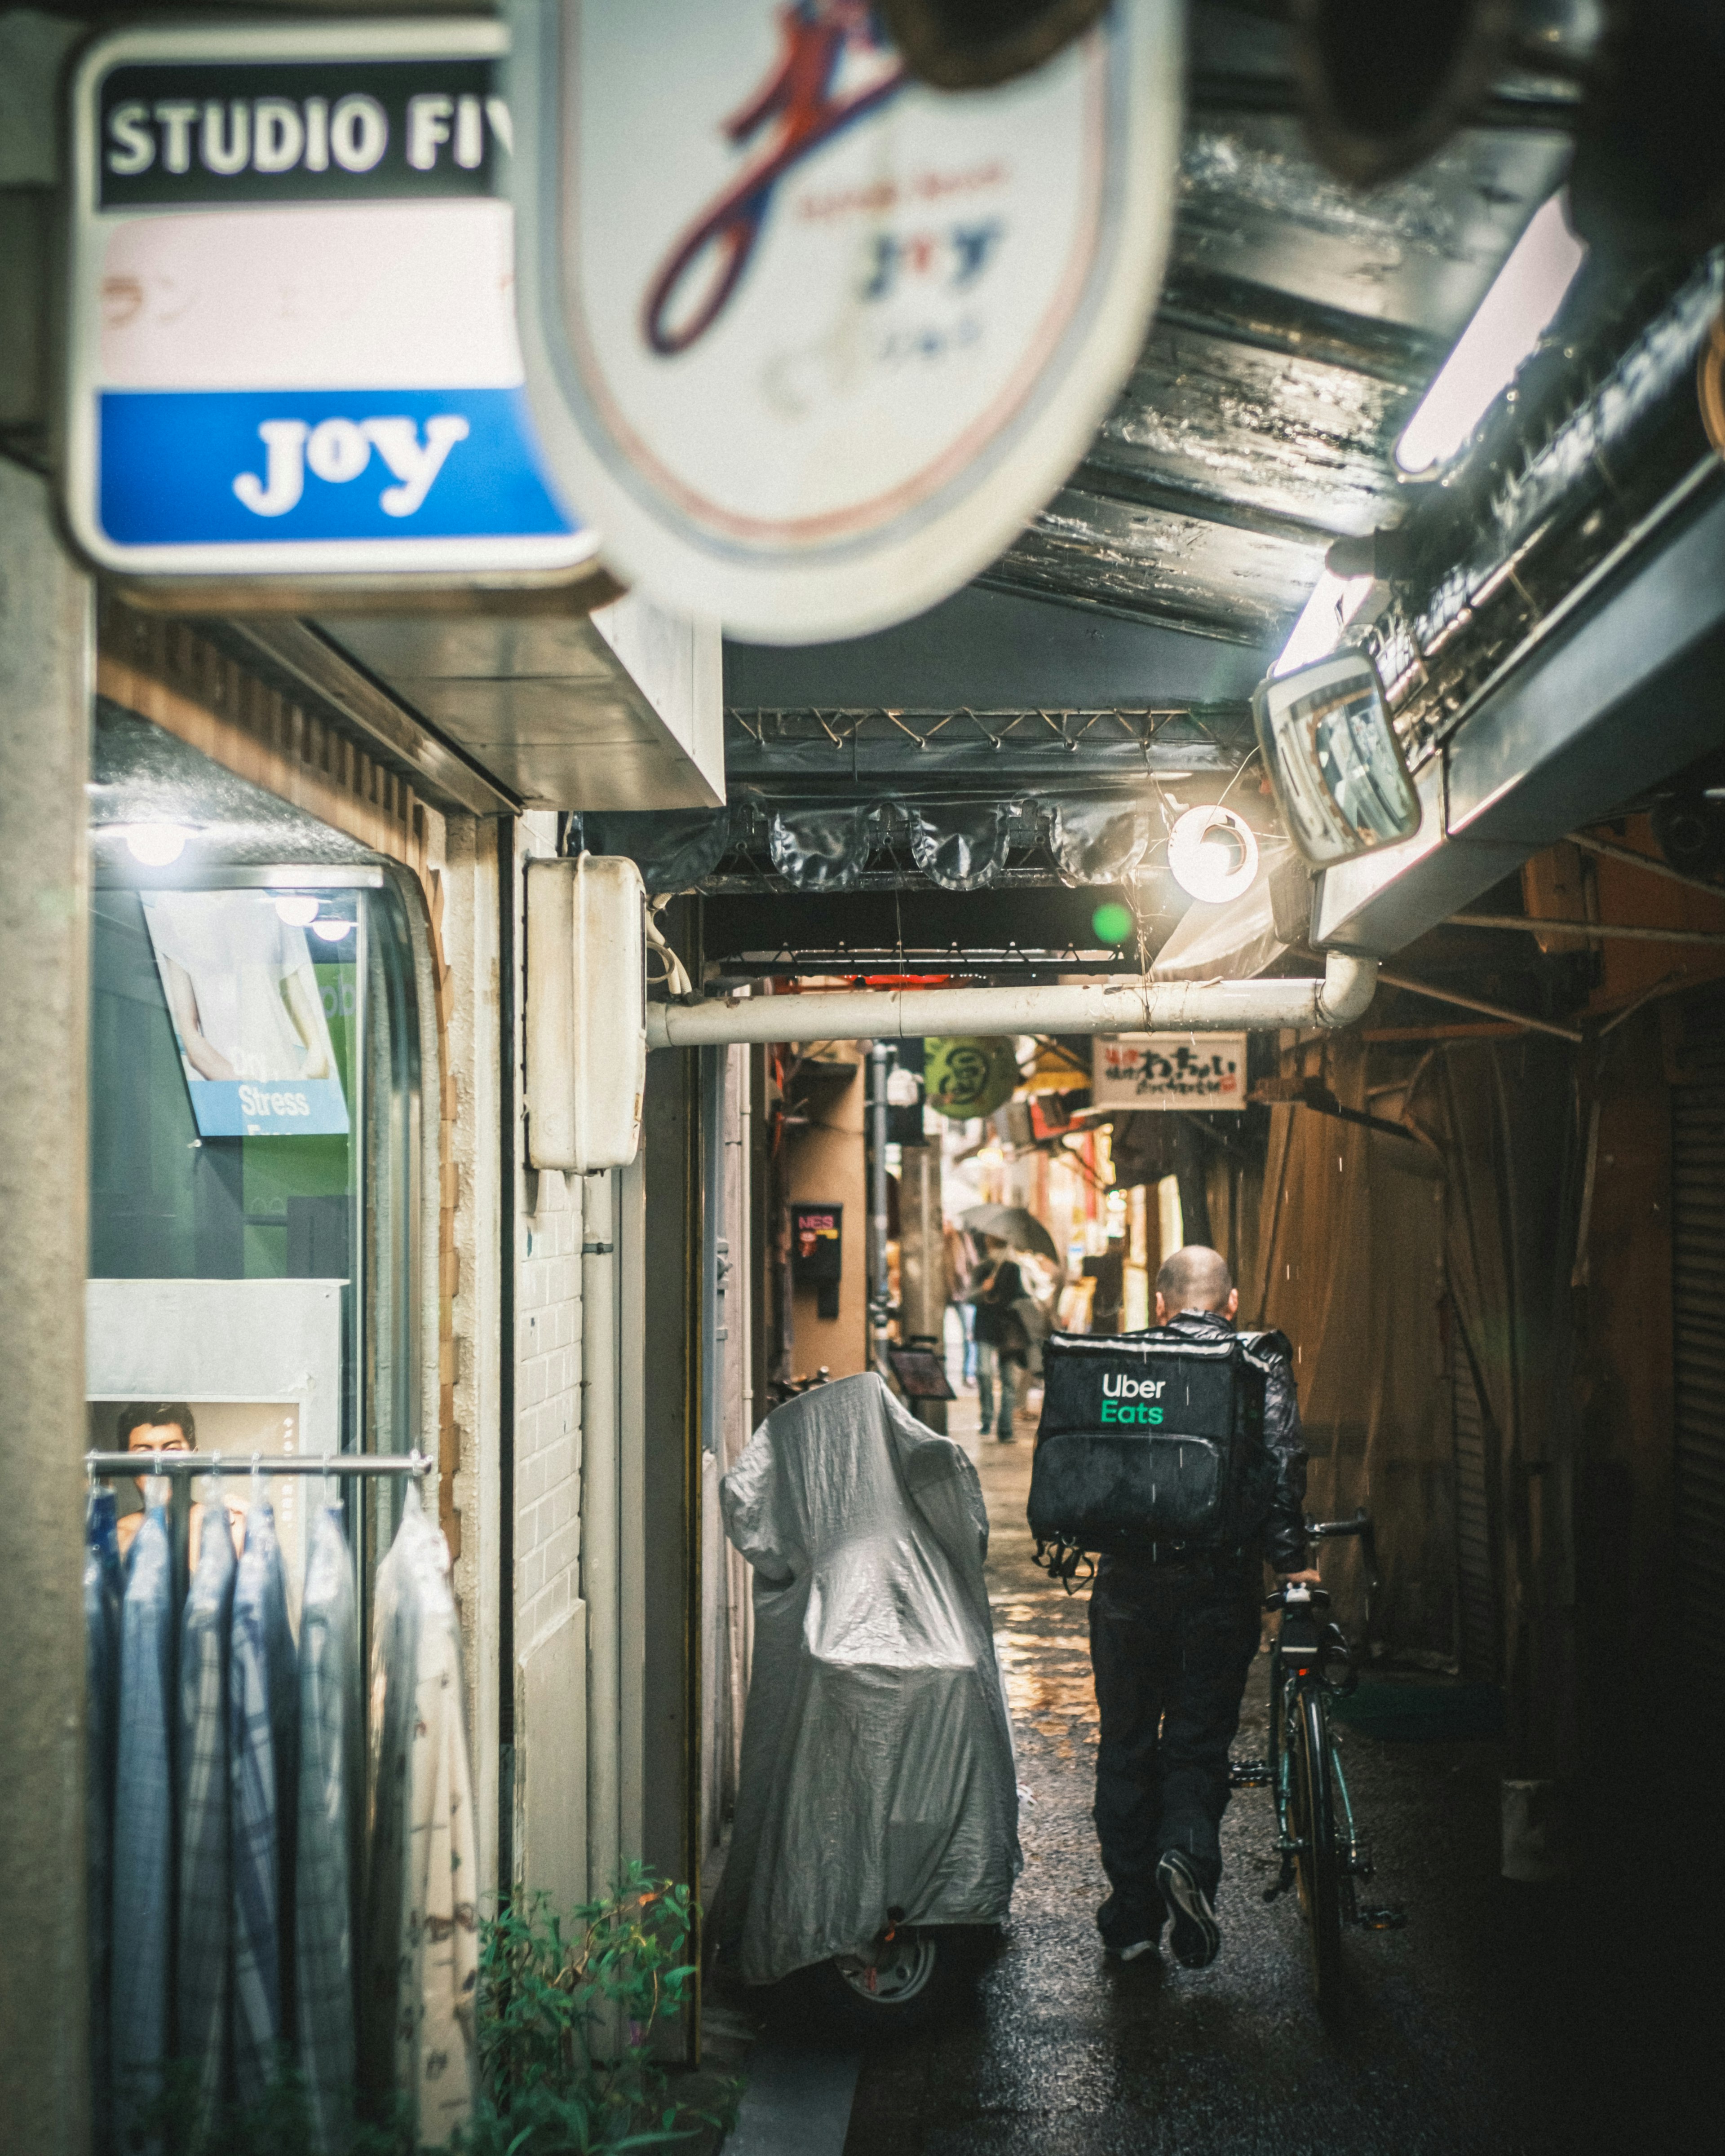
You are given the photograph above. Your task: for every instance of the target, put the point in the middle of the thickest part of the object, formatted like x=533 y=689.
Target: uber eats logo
x=1132 y=1400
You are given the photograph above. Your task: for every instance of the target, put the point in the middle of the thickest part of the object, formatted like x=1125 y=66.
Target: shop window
x=254 y=1129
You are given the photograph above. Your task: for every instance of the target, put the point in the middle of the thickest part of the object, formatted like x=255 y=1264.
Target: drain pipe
x=1131 y=1005
x=880 y=1296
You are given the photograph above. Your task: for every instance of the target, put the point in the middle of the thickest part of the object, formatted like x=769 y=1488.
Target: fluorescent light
x=1511 y=318
x=297 y=912
x=157 y=845
x=1334 y=602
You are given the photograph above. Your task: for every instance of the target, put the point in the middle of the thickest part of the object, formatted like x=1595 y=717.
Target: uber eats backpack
x=1148 y=1438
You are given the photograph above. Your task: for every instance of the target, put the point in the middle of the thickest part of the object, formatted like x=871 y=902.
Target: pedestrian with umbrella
x=995 y=1289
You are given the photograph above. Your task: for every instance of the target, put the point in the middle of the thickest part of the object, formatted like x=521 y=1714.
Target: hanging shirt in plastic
x=422 y=1969
x=202 y=1974
x=332 y=1806
x=263 y=1728
x=877 y=1760
x=102 y=1590
x=143 y=1823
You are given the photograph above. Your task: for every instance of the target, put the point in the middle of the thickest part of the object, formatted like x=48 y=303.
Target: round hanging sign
x=809 y=341
x=968 y=1075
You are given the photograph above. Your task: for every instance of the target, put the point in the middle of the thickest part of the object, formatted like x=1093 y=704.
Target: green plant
x=568 y=2005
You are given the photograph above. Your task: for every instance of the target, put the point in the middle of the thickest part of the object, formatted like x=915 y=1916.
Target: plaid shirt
x=102 y=1589
x=143 y=1825
x=206 y=1892
x=331 y=1803
x=262 y=1730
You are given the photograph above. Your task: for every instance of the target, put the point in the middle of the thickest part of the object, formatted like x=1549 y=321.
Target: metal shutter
x=1479 y=1619
x=1699 y=1337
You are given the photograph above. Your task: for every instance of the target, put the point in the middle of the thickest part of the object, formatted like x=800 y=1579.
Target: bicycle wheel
x=1317 y=1866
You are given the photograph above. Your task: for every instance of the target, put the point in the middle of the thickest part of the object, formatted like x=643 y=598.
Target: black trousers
x=1170 y=1646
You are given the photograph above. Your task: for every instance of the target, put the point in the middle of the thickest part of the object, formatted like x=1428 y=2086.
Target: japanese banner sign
x=1170 y=1071
x=292 y=340
x=810 y=341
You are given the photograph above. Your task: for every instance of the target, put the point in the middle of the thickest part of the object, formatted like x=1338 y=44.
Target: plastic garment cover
x=143 y=1823
x=331 y=1807
x=877 y=1760
x=202 y=1980
x=421 y=1976
x=102 y=1590
x=1099 y=839
x=820 y=848
x=673 y=847
x=962 y=847
x=263 y=1734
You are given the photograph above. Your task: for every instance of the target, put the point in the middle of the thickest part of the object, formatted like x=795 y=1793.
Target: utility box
x=586 y=1013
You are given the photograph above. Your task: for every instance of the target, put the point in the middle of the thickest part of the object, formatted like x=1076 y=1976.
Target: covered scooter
x=876 y=1824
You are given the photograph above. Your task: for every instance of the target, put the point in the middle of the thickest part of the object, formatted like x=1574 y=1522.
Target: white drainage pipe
x=1133 y=1005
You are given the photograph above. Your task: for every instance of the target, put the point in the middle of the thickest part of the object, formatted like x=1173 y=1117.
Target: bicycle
x=1324 y=1855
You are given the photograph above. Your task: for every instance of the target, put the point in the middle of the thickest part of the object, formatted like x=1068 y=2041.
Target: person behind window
x=167 y=1426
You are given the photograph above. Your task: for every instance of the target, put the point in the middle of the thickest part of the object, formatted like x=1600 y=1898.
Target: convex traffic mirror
x=1340 y=777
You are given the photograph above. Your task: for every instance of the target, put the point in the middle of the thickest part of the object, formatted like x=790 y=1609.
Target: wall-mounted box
x=586 y=1013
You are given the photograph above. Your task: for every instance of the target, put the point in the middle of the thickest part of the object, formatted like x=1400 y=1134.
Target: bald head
x=1195 y=1278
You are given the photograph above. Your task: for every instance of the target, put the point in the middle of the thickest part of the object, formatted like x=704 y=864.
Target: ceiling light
x=1213 y=855
x=297 y=912
x=1511 y=320
x=157 y=845
x=332 y=931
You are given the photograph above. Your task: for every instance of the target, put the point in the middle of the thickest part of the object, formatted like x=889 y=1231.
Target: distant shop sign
x=811 y=342
x=1190 y=1070
x=293 y=346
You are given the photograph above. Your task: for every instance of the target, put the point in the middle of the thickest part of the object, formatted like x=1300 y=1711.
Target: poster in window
x=248 y=1015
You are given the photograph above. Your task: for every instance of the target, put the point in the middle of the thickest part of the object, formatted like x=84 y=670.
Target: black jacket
x=1285 y=1528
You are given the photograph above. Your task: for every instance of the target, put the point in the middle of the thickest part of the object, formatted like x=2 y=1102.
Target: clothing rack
x=266 y=1464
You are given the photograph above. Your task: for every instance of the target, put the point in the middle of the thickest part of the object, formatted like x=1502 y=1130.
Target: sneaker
x=1128 y=1933
x=1196 y=1934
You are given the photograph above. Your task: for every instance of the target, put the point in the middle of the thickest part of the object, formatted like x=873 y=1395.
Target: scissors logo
x=817 y=38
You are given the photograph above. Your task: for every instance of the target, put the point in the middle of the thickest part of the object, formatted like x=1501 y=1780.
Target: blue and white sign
x=293 y=339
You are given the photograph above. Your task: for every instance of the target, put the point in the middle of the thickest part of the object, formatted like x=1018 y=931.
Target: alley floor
x=1502 y=2019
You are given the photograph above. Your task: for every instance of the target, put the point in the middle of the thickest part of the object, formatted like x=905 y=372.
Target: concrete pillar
x=45 y=666
x=922 y=1258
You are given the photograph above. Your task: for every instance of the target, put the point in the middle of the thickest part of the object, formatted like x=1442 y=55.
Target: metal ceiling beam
x=1239 y=311
x=1140 y=490
x=1068 y=591
x=1550 y=112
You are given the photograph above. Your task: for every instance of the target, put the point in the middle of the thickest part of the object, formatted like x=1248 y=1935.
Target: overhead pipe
x=1131 y=1005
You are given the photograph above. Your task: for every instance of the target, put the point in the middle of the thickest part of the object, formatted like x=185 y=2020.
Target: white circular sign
x=810 y=342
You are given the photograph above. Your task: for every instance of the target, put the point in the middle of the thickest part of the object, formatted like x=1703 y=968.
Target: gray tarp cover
x=877 y=1760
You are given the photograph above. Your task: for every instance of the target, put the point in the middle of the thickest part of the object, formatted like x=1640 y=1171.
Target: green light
x=1113 y=923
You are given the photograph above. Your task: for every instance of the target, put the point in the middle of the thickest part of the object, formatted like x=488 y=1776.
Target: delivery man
x=1172 y=1638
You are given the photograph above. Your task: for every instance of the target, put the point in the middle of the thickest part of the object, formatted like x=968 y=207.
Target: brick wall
x=547 y=1378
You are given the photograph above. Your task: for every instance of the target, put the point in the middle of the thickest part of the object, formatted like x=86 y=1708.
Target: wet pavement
x=1503 y=2019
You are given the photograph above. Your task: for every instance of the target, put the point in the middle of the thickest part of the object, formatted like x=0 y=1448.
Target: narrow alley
x=743 y=739
x=1502 y=2019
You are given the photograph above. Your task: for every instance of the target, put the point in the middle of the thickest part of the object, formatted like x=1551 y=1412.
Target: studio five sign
x=292 y=343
